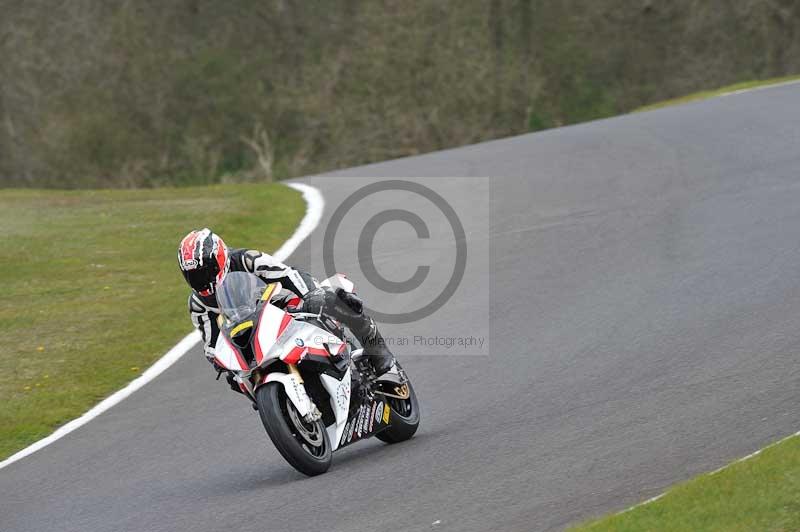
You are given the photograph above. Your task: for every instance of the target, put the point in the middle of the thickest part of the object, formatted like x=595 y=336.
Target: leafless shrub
x=261 y=145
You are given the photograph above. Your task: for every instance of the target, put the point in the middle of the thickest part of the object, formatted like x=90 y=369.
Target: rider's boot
x=348 y=309
x=375 y=349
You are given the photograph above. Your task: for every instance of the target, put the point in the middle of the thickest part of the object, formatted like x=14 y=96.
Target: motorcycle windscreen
x=238 y=295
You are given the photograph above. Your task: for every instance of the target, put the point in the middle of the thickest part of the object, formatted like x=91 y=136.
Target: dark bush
x=147 y=93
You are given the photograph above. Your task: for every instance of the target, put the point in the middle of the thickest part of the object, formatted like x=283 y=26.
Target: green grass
x=761 y=493
x=716 y=92
x=91 y=291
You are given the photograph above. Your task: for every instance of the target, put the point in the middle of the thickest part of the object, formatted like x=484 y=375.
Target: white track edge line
x=761 y=87
x=726 y=466
x=314 y=207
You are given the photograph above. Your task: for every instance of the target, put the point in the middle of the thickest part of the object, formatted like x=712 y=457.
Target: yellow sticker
x=386 y=413
x=268 y=291
x=241 y=327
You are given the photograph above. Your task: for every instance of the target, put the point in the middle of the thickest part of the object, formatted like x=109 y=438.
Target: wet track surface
x=645 y=325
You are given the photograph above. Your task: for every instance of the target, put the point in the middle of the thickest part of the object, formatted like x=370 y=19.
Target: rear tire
x=405 y=418
x=304 y=445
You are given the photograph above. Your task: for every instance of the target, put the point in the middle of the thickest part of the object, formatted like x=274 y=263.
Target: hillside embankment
x=146 y=93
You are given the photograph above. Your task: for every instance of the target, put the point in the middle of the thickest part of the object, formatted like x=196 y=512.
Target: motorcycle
x=306 y=376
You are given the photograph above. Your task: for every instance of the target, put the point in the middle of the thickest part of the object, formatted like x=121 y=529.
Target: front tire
x=304 y=445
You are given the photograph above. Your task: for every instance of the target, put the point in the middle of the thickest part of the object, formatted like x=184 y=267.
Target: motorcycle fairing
x=279 y=336
x=228 y=356
x=369 y=419
x=272 y=322
x=339 y=392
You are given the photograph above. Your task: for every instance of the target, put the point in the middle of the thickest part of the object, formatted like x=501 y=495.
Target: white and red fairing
x=279 y=336
x=228 y=356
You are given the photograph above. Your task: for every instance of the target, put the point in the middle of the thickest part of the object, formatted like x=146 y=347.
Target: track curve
x=646 y=303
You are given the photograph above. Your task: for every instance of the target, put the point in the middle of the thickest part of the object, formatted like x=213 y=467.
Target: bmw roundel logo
x=299 y=342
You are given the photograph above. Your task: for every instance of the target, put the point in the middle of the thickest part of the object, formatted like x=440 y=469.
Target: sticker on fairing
x=367 y=420
x=353 y=430
x=372 y=417
x=361 y=418
x=346 y=431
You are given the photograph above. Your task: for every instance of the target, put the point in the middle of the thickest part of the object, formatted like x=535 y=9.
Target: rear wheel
x=404 y=414
x=304 y=445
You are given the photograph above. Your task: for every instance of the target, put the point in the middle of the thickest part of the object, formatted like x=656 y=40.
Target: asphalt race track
x=645 y=325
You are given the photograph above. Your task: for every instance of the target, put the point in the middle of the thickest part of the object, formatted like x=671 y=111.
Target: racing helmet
x=203 y=260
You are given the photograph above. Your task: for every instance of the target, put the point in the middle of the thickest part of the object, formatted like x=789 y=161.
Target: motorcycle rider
x=204 y=260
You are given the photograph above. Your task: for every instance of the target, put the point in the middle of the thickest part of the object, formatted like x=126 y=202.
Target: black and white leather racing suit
x=299 y=289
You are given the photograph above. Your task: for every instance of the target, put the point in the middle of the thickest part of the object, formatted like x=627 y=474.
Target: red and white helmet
x=203 y=259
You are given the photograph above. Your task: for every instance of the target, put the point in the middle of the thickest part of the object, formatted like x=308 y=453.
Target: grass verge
x=716 y=92
x=760 y=493
x=92 y=294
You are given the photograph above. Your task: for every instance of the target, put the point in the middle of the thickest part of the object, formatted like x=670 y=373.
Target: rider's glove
x=351 y=300
x=211 y=360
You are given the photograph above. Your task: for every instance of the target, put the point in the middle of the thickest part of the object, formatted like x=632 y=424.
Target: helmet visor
x=201 y=279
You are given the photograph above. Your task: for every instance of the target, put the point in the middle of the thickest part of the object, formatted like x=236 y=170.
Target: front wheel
x=304 y=445
x=405 y=413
